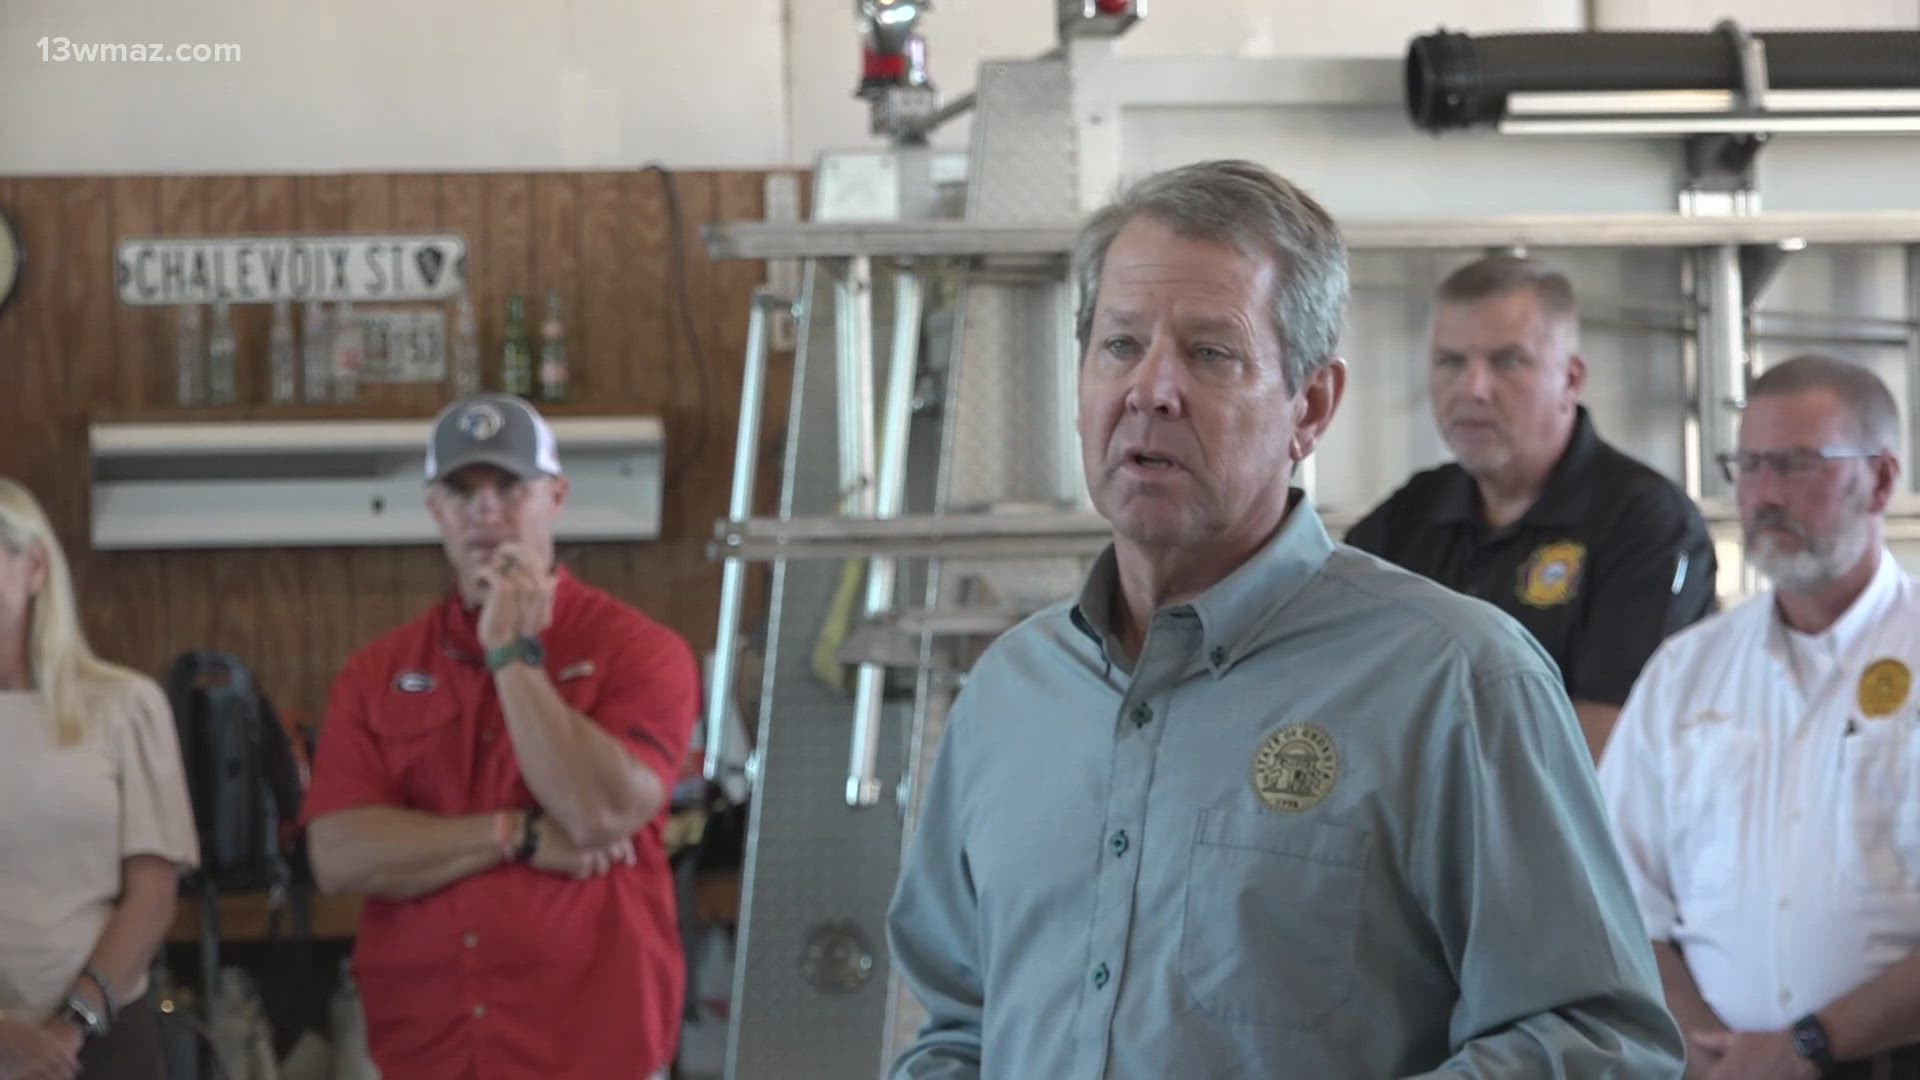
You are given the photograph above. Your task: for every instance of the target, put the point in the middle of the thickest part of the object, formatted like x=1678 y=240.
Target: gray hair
x=1498 y=275
x=1262 y=214
x=1867 y=400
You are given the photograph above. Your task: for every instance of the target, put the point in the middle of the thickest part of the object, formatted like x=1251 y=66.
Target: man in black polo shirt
x=1598 y=555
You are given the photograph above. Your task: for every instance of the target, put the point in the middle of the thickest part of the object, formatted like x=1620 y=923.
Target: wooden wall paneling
x=124 y=592
x=185 y=576
x=557 y=204
x=463 y=210
x=417 y=573
x=139 y=374
x=87 y=300
x=595 y=337
x=647 y=351
x=83 y=307
x=692 y=380
x=597 y=343
x=280 y=650
x=329 y=594
x=555 y=264
x=373 y=207
x=234 y=577
x=509 y=257
x=40 y=354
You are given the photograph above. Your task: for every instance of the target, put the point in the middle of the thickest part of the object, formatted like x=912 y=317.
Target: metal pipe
x=733 y=573
x=1454 y=80
x=1723 y=361
x=853 y=338
x=863 y=780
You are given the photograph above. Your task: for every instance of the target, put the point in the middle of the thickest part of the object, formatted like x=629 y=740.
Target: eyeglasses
x=1787 y=464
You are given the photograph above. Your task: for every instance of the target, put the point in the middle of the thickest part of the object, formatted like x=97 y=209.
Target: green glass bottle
x=516 y=351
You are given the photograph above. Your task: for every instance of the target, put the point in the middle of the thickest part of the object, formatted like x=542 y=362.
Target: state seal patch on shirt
x=1551 y=575
x=1295 y=768
x=1884 y=687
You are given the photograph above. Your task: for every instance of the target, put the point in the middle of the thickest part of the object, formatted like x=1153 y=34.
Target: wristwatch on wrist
x=529 y=836
x=521 y=650
x=1810 y=1042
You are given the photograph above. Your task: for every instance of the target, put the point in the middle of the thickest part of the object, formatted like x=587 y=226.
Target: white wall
x=396 y=85
x=505 y=84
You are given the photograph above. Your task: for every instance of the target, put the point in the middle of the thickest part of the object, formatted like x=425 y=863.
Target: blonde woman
x=95 y=828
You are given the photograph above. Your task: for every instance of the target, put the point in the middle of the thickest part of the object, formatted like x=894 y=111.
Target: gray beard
x=1816 y=566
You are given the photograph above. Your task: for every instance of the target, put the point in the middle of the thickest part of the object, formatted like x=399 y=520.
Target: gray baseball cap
x=492 y=429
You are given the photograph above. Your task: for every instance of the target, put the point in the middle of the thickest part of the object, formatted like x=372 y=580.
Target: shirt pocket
x=1712 y=810
x=1270 y=930
x=1879 y=841
x=424 y=753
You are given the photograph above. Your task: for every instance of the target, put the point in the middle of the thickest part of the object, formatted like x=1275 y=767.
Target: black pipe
x=1455 y=80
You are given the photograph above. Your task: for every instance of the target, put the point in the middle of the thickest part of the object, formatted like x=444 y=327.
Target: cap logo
x=481 y=422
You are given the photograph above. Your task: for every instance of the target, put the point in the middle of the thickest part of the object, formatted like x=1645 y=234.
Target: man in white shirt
x=1764 y=777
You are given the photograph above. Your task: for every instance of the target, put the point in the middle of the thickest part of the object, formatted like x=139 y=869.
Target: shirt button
x=1785 y=903
x=479 y=1012
x=486 y=736
x=1140 y=714
x=1786 y=997
x=1119 y=842
x=470 y=940
x=1100 y=977
x=1218 y=656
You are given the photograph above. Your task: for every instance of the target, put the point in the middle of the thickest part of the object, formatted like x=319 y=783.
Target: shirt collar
x=1235 y=610
x=1851 y=628
x=1564 y=499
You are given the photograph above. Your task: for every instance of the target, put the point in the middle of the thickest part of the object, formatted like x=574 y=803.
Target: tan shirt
x=68 y=816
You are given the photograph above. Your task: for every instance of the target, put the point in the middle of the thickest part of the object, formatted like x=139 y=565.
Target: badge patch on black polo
x=414 y=682
x=1551 y=575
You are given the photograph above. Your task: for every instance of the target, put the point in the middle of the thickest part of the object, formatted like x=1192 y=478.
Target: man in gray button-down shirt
x=1257 y=804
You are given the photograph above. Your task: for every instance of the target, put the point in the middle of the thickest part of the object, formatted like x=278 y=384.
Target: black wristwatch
x=529 y=836
x=1810 y=1042
x=521 y=650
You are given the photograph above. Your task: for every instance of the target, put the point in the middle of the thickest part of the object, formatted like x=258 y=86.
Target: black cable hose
x=1455 y=80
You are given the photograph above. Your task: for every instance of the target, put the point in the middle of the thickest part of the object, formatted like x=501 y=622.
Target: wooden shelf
x=244 y=917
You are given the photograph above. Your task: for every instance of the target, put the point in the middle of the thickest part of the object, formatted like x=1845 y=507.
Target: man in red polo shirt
x=494 y=776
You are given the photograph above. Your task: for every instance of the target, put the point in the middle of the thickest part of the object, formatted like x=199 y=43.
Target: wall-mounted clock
x=11 y=256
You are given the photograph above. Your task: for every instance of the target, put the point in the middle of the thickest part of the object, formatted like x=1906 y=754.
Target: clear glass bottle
x=516 y=353
x=283 y=359
x=465 y=354
x=222 y=357
x=316 y=350
x=190 y=356
x=556 y=380
x=349 y=352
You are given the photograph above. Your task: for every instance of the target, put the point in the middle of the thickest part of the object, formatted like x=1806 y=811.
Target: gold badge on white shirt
x=1295 y=768
x=1884 y=687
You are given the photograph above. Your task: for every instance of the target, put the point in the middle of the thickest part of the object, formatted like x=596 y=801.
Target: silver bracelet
x=106 y=993
x=91 y=1023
